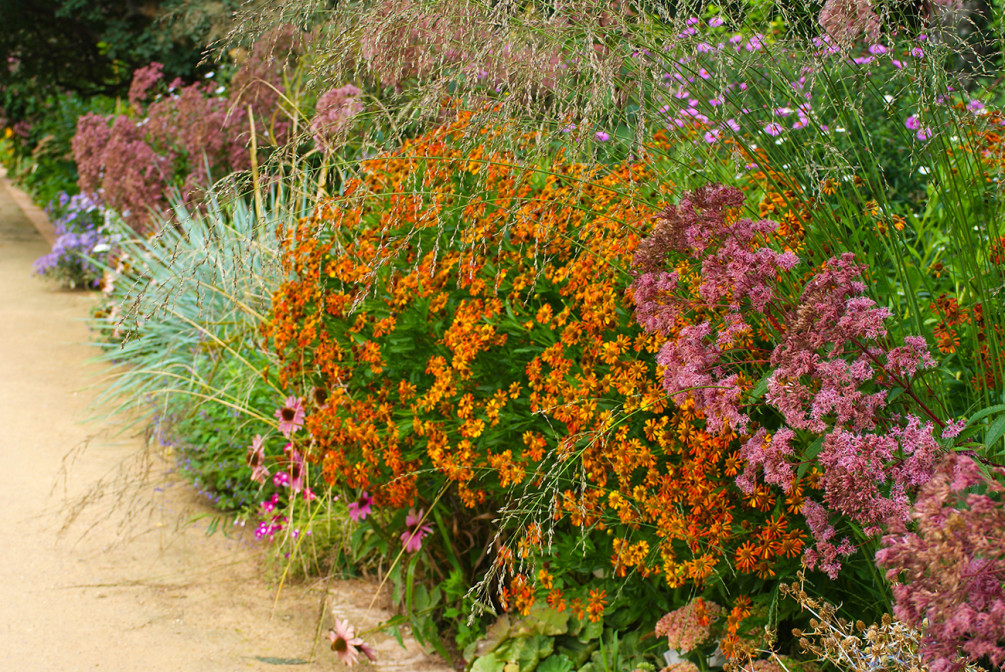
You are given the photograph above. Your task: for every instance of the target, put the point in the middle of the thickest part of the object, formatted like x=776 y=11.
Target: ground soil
x=107 y=562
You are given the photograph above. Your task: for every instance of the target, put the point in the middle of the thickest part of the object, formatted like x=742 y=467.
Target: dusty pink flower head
x=688 y=627
x=845 y=20
x=738 y=274
x=412 y=537
x=361 y=508
x=290 y=416
x=948 y=566
x=346 y=645
x=681 y=666
x=143 y=79
x=335 y=111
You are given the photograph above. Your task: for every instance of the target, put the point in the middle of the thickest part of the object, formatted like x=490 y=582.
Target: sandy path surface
x=128 y=583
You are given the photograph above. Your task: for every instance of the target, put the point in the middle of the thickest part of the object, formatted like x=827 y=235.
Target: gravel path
x=103 y=569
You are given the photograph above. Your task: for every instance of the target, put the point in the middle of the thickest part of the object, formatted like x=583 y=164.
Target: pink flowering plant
x=184 y=136
x=800 y=361
x=739 y=328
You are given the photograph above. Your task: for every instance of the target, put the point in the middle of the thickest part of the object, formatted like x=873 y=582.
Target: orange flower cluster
x=951 y=320
x=469 y=324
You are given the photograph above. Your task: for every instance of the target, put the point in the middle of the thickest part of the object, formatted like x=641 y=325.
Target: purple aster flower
x=412 y=537
x=291 y=416
x=361 y=508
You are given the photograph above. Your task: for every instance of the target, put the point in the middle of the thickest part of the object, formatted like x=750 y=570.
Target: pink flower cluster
x=335 y=111
x=190 y=134
x=829 y=372
x=143 y=80
x=690 y=626
x=950 y=565
x=845 y=20
x=737 y=275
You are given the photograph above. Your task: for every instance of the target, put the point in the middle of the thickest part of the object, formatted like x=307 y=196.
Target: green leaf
x=984 y=412
x=809 y=455
x=591 y=631
x=488 y=663
x=995 y=432
x=559 y=663
x=758 y=390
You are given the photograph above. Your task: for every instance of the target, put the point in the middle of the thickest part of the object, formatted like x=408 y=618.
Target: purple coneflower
x=291 y=416
x=296 y=471
x=360 y=509
x=256 y=459
x=412 y=537
x=346 y=645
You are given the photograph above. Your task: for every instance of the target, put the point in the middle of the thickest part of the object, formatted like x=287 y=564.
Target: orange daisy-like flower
x=747 y=556
x=597 y=603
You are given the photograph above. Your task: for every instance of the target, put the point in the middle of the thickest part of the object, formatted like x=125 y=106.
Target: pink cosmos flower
x=360 y=509
x=773 y=129
x=412 y=537
x=291 y=416
x=602 y=137
x=346 y=645
x=912 y=123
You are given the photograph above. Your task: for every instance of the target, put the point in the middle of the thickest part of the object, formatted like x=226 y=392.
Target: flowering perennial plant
x=181 y=136
x=821 y=359
x=75 y=259
x=950 y=566
x=471 y=337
